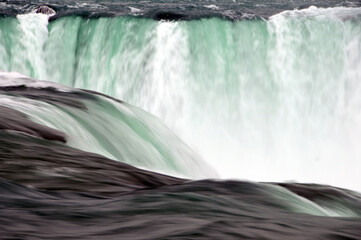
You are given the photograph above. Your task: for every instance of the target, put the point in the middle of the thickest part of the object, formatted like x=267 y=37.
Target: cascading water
x=115 y=130
x=268 y=100
x=262 y=90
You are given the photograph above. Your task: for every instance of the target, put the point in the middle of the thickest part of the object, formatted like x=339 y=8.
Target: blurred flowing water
x=260 y=91
x=267 y=100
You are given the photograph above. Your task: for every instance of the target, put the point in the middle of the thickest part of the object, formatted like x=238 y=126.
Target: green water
x=118 y=131
x=275 y=99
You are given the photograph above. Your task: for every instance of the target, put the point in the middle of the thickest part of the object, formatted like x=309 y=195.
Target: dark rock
x=45 y=10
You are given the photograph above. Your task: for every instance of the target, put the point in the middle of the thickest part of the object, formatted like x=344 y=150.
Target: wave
x=99 y=124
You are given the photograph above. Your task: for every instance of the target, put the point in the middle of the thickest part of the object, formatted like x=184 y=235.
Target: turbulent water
x=265 y=99
x=107 y=127
x=261 y=91
x=50 y=188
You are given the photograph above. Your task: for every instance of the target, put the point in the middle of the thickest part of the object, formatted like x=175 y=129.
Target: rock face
x=45 y=10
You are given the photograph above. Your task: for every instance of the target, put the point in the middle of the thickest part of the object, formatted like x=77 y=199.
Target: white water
x=117 y=131
x=267 y=101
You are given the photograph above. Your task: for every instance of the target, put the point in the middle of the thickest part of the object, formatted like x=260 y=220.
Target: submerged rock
x=14 y=120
